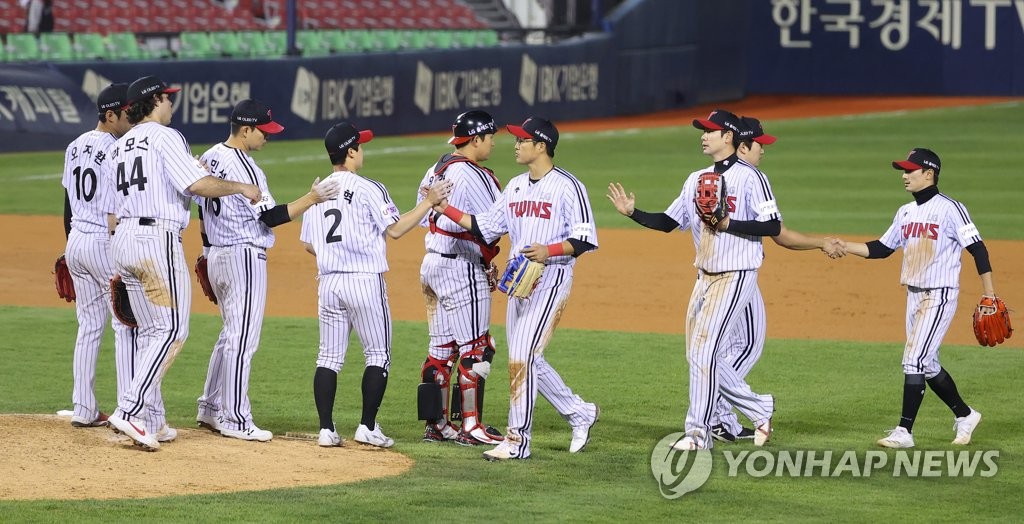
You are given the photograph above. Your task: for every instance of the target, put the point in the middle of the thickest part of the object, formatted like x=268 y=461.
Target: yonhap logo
x=679 y=472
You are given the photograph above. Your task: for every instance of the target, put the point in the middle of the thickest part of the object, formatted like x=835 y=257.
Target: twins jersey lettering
x=932 y=236
x=84 y=162
x=474 y=190
x=232 y=220
x=348 y=232
x=134 y=164
x=749 y=197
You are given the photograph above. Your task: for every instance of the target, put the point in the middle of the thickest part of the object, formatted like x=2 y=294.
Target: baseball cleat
x=745 y=433
x=166 y=434
x=210 y=422
x=762 y=433
x=477 y=436
x=719 y=433
x=502 y=451
x=581 y=435
x=253 y=433
x=80 y=422
x=137 y=434
x=445 y=433
x=329 y=438
x=688 y=443
x=898 y=437
x=964 y=427
x=373 y=438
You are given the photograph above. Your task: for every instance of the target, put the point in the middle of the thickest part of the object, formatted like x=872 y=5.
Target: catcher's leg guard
x=433 y=395
x=473 y=370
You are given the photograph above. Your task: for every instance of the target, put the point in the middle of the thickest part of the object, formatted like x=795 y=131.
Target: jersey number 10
x=136 y=179
x=85 y=183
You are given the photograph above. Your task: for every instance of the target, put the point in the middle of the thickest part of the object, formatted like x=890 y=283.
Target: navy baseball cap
x=919 y=158
x=342 y=136
x=536 y=128
x=147 y=86
x=112 y=98
x=470 y=124
x=719 y=120
x=250 y=112
x=754 y=131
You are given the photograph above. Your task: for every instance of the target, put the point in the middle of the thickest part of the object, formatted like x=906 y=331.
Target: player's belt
x=475 y=260
x=159 y=222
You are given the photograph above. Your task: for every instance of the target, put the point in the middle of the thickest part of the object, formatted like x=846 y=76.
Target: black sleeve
x=770 y=228
x=67 y=215
x=475 y=229
x=275 y=216
x=579 y=246
x=657 y=221
x=980 y=254
x=876 y=249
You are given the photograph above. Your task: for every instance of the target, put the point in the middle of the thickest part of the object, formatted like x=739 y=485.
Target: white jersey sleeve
x=893 y=237
x=493 y=223
x=679 y=209
x=576 y=211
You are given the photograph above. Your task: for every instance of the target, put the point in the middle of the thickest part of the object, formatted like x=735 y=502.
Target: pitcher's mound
x=43 y=457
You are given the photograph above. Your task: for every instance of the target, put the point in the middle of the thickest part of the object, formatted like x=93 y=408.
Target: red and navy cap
x=536 y=128
x=719 y=120
x=147 y=86
x=754 y=131
x=342 y=136
x=919 y=158
x=250 y=112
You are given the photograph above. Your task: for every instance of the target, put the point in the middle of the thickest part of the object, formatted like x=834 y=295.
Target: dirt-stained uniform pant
x=744 y=351
x=929 y=314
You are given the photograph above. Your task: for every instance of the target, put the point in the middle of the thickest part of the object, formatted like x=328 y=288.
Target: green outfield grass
x=829 y=174
x=839 y=396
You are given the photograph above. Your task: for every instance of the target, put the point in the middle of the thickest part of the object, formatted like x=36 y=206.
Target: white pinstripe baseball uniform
x=727 y=265
x=154 y=169
x=237 y=265
x=932 y=236
x=743 y=351
x=92 y=266
x=546 y=211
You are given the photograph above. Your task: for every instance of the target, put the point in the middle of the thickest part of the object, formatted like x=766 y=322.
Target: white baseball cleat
x=137 y=434
x=581 y=435
x=210 y=422
x=688 y=443
x=502 y=451
x=898 y=437
x=329 y=438
x=762 y=433
x=253 y=433
x=964 y=427
x=373 y=438
x=166 y=434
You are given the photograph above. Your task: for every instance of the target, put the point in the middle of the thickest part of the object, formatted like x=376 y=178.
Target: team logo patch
x=389 y=209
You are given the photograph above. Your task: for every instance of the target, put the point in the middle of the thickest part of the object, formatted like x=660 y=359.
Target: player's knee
x=329 y=363
x=378 y=360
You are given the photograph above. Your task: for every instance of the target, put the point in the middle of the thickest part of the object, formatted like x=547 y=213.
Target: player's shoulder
x=951 y=204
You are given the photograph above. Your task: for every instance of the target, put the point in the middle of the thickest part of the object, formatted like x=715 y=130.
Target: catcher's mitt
x=119 y=299
x=991 y=321
x=521 y=276
x=62 y=279
x=203 y=275
x=710 y=199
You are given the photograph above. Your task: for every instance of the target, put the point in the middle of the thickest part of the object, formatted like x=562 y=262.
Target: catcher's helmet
x=470 y=124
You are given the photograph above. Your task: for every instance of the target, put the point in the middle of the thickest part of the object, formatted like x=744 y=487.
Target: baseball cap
x=754 y=131
x=344 y=135
x=250 y=112
x=719 y=120
x=147 y=86
x=470 y=124
x=536 y=128
x=919 y=158
x=113 y=97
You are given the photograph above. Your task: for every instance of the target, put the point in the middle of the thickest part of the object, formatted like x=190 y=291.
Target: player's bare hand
x=834 y=247
x=535 y=252
x=252 y=192
x=624 y=203
x=324 y=191
x=439 y=191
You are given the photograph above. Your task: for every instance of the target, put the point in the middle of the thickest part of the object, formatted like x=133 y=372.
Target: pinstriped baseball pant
x=929 y=314
x=745 y=349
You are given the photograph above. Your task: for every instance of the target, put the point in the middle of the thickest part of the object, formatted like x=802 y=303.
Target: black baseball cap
x=919 y=158
x=342 y=136
x=753 y=131
x=470 y=124
x=112 y=98
x=250 y=112
x=147 y=86
x=536 y=128
x=719 y=120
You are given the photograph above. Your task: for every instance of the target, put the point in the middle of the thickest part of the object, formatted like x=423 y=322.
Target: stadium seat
x=277 y=43
x=487 y=38
x=338 y=41
x=442 y=39
x=195 y=44
x=56 y=46
x=416 y=40
x=227 y=43
x=125 y=46
x=312 y=43
x=385 y=39
x=22 y=47
x=89 y=46
x=253 y=43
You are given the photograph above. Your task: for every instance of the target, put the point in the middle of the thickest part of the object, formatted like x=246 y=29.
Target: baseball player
x=239 y=235
x=456 y=285
x=88 y=255
x=932 y=230
x=155 y=175
x=727 y=261
x=546 y=213
x=747 y=343
x=347 y=237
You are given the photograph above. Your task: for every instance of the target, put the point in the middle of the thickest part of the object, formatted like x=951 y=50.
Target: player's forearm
x=409 y=220
x=857 y=248
x=456 y=215
x=986 y=284
x=213 y=187
x=797 y=241
x=299 y=206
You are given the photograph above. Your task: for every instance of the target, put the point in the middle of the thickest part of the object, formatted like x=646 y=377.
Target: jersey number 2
x=336 y=214
x=137 y=178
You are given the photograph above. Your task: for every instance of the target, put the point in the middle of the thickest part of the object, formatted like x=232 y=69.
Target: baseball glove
x=203 y=275
x=520 y=277
x=119 y=299
x=710 y=199
x=991 y=321
x=62 y=278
